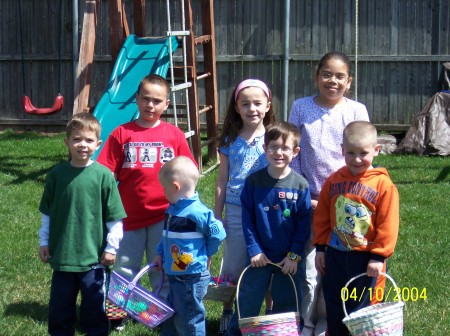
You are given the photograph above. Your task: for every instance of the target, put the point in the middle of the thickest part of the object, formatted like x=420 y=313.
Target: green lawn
x=420 y=263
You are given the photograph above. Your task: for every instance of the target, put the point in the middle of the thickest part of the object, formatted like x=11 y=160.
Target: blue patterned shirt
x=243 y=159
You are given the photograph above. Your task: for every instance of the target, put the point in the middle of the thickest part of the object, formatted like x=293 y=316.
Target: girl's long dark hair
x=233 y=122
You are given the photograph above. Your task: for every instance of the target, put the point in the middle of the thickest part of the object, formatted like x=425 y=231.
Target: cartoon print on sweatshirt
x=353 y=219
x=181 y=260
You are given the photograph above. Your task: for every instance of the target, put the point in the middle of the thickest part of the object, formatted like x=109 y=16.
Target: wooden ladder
x=210 y=107
x=119 y=30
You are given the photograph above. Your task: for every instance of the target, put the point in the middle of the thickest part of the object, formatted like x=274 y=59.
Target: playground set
x=137 y=55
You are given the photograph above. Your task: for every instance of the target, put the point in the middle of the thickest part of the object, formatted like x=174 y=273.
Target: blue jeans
x=63 y=297
x=186 y=293
x=253 y=287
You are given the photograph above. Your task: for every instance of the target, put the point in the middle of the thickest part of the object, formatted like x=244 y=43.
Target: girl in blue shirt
x=241 y=151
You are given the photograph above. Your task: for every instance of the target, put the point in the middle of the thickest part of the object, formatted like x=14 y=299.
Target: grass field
x=420 y=264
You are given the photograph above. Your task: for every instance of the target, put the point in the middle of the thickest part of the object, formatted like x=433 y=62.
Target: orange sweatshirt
x=359 y=213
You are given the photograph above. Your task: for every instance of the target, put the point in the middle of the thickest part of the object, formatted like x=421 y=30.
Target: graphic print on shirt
x=130 y=156
x=146 y=154
x=166 y=154
x=181 y=260
x=353 y=219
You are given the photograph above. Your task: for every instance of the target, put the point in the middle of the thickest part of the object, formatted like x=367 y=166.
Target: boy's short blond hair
x=181 y=169
x=360 y=131
x=83 y=121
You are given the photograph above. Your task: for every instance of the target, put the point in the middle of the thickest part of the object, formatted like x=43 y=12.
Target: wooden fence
x=397 y=47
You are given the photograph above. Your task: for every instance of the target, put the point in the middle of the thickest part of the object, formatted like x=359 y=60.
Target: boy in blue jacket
x=190 y=237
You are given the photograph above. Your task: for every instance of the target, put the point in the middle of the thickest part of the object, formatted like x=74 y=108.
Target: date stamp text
x=385 y=294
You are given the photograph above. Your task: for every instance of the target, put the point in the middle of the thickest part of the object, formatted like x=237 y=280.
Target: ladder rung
x=169 y=115
x=179 y=33
x=181 y=86
x=202 y=39
x=179 y=106
x=204 y=75
x=178 y=71
x=189 y=134
x=205 y=109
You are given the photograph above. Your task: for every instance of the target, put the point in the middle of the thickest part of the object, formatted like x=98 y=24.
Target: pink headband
x=251 y=82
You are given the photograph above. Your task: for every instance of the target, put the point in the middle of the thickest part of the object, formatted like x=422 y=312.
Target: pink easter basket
x=142 y=305
x=284 y=324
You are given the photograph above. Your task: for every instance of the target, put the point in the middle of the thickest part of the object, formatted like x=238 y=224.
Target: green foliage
x=420 y=260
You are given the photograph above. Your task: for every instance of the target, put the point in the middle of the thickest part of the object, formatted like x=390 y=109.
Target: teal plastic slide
x=138 y=57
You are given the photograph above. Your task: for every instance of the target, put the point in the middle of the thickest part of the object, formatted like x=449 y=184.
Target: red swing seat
x=57 y=106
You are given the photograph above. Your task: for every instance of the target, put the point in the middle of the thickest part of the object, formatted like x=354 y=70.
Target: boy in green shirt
x=81 y=229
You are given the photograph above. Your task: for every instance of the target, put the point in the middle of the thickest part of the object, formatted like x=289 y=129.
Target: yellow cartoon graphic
x=352 y=222
x=181 y=260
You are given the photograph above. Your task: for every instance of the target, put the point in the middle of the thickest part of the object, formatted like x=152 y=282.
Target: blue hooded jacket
x=191 y=234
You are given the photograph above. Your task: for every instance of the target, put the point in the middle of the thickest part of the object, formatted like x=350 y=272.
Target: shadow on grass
x=412 y=174
x=443 y=174
x=30 y=161
x=34 y=310
x=17 y=170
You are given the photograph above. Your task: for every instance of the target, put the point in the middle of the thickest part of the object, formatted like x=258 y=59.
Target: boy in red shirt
x=135 y=152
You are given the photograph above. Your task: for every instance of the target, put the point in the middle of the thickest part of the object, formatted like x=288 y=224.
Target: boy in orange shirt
x=355 y=224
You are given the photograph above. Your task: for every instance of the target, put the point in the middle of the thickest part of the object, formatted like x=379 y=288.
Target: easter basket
x=284 y=324
x=114 y=312
x=220 y=291
x=139 y=303
x=377 y=320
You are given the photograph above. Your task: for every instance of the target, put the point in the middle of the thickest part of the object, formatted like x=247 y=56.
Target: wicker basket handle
x=239 y=283
x=144 y=270
x=362 y=274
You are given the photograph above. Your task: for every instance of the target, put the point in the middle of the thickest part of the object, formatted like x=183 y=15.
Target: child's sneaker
x=119 y=324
